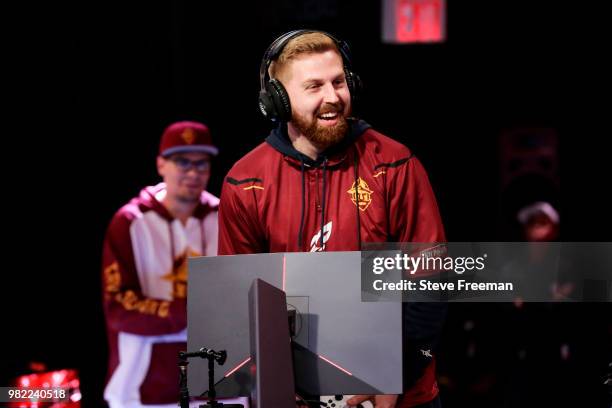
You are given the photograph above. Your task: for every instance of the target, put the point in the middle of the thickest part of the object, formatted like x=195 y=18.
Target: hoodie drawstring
x=323 y=196
x=356 y=175
x=202 y=236
x=172 y=260
x=301 y=231
x=323 y=201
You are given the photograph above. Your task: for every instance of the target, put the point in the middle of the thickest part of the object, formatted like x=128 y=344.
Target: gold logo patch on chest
x=360 y=193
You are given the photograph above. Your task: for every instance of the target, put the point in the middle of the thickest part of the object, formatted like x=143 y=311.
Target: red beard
x=323 y=137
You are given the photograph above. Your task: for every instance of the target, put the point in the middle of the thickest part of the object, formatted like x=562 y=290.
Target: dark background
x=98 y=82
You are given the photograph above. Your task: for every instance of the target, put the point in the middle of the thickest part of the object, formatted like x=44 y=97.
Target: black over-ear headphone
x=273 y=98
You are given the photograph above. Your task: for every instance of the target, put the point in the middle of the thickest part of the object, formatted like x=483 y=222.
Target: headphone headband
x=277 y=46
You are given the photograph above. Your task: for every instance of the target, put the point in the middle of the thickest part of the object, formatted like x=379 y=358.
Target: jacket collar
x=279 y=140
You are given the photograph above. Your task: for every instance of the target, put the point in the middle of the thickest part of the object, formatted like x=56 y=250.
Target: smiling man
x=321 y=98
x=325 y=181
x=144 y=269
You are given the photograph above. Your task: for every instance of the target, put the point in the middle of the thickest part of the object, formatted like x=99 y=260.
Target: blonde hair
x=309 y=43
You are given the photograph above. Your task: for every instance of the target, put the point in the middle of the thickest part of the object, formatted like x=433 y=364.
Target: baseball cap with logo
x=185 y=137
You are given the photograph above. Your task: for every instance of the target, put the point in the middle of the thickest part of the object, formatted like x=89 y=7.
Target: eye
x=201 y=165
x=182 y=162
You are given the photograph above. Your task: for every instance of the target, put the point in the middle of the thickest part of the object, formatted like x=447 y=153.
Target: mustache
x=331 y=108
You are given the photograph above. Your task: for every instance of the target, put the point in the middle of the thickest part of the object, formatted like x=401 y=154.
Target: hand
x=379 y=401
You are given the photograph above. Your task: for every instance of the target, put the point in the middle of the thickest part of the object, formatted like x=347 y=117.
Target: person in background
x=144 y=270
x=539 y=221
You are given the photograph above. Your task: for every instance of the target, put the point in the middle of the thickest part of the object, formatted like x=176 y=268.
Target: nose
x=194 y=173
x=330 y=93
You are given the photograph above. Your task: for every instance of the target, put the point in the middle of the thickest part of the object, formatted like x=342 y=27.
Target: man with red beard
x=325 y=181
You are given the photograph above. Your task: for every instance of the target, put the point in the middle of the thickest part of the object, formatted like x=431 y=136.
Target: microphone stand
x=184 y=391
x=211 y=356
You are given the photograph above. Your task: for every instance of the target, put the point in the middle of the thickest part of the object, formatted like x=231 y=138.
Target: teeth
x=328 y=115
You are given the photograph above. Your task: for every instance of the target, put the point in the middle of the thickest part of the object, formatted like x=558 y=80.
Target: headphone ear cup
x=353 y=81
x=266 y=106
x=280 y=100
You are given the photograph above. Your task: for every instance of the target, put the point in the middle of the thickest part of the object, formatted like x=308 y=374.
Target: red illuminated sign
x=418 y=21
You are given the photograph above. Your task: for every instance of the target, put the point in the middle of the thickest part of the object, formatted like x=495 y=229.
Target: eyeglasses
x=184 y=164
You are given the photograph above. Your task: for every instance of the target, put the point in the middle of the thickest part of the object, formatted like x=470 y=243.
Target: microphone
x=218 y=356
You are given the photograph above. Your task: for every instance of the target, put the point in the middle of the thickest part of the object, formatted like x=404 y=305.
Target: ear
x=161 y=163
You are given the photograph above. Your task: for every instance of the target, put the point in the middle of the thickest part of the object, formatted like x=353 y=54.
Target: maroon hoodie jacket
x=144 y=271
x=368 y=188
